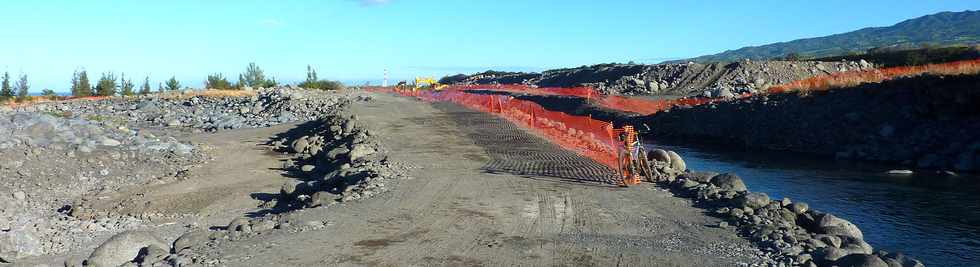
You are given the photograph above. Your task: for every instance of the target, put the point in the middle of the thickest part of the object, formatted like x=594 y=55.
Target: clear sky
x=354 y=40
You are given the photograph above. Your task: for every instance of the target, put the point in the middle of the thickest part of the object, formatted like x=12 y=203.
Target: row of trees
x=109 y=86
x=252 y=77
x=255 y=77
x=7 y=92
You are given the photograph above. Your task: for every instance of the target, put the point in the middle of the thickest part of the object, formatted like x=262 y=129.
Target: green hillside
x=940 y=29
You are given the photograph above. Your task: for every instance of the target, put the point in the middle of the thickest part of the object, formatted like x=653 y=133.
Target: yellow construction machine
x=428 y=82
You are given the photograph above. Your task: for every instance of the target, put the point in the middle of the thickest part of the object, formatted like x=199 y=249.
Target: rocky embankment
x=335 y=160
x=790 y=233
x=687 y=79
x=48 y=164
x=927 y=122
x=58 y=157
x=208 y=113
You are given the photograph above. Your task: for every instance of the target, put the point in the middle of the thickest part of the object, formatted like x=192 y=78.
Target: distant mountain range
x=940 y=29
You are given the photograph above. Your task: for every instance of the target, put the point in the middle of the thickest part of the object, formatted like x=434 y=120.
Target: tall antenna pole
x=385 y=83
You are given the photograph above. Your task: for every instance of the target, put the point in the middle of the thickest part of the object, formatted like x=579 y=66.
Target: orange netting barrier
x=854 y=78
x=643 y=106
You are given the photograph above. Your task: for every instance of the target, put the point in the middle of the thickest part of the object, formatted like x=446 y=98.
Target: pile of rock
x=680 y=79
x=790 y=232
x=210 y=113
x=344 y=162
x=47 y=162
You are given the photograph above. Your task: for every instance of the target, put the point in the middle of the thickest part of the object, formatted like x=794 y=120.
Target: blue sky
x=354 y=40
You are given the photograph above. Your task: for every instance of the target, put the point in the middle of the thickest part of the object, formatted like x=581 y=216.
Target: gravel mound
x=684 y=79
x=50 y=163
x=343 y=160
x=208 y=113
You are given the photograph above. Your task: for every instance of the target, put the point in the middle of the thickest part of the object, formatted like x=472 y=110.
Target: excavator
x=428 y=82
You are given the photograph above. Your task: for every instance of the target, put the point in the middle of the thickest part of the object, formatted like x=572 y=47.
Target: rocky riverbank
x=677 y=79
x=927 y=122
x=790 y=233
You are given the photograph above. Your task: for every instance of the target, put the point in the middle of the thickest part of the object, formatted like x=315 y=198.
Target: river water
x=932 y=217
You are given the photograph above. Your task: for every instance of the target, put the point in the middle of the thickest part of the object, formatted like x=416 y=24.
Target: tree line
x=254 y=77
x=109 y=84
x=16 y=92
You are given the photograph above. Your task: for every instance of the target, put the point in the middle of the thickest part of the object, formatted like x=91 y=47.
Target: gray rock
x=360 y=151
x=753 y=200
x=799 y=207
x=151 y=254
x=701 y=177
x=829 y=254
x=191 y=239
x=19 y=243
x=263 y=225
x=688 y=184
x=240 y=225
x=830 y=240
x=300 y=145
x=860 y=260
x=676 y=162
x=288 y=189
x=122 y=248
x=830 y=224
x=336 y=153
x=659 y=155
x=307 y=168
x=729 y=181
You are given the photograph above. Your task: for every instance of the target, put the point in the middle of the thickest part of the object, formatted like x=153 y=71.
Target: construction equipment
x=428 y=82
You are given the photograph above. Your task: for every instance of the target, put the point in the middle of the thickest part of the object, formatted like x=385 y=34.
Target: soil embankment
x=674 y=79
x=924 y=122
x=927 y=122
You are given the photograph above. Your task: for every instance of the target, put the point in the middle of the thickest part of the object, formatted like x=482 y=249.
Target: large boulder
x=191 y=239
x=300 y=145
x=729 y=181
x=752 y=200
x=860 y=260
x=122 y=248
x=336 y=153
x=830 y=224
x=701 y=177
x=360 y=151
x=676 y=162
x=659 y=155
x=18 y=243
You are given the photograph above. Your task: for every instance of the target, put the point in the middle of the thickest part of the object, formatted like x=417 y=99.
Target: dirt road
x=217 y=191
x=474 y=201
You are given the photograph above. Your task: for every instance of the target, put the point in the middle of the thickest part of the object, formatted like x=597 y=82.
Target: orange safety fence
x=643 y=106
x=854 y=78
x=639 y=105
